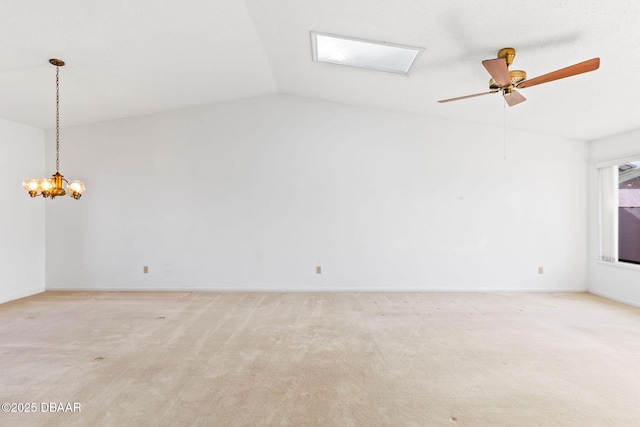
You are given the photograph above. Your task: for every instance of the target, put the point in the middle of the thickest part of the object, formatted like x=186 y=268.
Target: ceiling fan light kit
x=507 y=81
x=50 y=188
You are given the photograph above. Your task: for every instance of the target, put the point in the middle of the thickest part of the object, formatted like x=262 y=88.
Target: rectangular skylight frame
x=367 y=54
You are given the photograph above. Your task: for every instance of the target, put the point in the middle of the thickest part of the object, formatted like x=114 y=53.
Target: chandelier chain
x=57 y=119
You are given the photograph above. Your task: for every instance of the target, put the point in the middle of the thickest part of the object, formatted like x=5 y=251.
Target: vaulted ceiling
x=128 y=58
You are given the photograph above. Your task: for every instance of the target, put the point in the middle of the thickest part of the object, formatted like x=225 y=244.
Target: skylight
x=371 y=55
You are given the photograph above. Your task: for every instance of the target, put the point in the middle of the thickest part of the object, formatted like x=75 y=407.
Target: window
x=629 y=212
x=620 y=210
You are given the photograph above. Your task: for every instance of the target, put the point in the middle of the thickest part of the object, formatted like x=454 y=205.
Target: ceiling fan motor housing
x=516 y=76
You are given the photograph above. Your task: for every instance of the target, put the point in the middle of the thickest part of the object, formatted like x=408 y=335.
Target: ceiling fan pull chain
x=504 y=130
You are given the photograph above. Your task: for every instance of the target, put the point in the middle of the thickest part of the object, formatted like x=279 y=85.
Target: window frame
x=608 y=210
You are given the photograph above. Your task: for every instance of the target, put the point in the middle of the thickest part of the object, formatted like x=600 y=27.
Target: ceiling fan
x=506 y=81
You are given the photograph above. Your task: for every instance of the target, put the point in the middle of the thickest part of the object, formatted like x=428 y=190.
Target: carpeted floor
x=319 y=359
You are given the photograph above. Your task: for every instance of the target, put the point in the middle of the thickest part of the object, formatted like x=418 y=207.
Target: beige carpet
x=320 y=359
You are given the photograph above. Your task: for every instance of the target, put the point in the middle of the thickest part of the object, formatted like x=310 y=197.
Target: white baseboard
x=21 y=294
x=612 y=298
x=315 y=289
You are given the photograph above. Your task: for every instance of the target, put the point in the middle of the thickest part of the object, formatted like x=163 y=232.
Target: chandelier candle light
x=49 y=188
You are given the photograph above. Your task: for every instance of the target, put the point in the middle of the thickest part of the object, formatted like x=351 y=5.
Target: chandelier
x=57 y=185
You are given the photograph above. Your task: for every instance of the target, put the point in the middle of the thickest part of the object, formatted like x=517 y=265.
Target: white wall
x=22 y=219
x=255 y=194
x=612 y=281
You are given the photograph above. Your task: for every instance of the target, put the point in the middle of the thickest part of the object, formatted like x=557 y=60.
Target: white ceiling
x=127 y=58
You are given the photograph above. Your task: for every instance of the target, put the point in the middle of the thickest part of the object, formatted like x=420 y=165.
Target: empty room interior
x=320 y=213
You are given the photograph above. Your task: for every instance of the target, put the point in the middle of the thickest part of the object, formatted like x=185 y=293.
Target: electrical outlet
x=318 y=269
x=540 y=270
x=145 y=269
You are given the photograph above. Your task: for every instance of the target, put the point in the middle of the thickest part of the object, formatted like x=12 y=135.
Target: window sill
x=624 y=265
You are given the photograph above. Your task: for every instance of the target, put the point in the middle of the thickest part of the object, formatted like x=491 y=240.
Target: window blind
x=608 y=178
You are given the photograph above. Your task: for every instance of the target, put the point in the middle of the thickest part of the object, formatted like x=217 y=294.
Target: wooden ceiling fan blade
x=467 y=96
x=582 y=67
x=514 y=98
x=498 y=70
